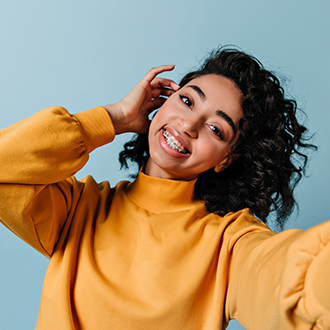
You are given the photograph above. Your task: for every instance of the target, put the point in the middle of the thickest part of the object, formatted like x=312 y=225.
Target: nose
x=190 y=125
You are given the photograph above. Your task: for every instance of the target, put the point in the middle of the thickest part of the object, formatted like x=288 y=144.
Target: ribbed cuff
x=97 y=127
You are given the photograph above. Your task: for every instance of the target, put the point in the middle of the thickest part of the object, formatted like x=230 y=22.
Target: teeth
x=173 y=143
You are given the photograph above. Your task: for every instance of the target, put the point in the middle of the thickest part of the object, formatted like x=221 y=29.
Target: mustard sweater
x=146 y=255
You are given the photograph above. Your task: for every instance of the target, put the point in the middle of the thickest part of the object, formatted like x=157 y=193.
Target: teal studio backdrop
x=80 y=54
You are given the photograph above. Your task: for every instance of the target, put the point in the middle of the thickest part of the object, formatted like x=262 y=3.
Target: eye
x=216 y=131
x=186 y=100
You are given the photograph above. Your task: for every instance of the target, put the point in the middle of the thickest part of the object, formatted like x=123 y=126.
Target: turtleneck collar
x=161 y=195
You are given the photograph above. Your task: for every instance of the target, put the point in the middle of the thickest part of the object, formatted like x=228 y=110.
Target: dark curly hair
x=270 y=145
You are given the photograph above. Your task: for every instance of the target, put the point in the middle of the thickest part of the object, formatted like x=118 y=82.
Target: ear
x=225 y=163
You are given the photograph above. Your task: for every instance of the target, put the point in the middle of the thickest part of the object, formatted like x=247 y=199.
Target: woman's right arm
x=40 y=155
x=51 y=145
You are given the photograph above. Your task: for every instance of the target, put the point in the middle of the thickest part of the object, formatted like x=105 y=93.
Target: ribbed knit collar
x=161 y=195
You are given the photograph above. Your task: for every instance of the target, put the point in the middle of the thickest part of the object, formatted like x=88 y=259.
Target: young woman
x=180 y=247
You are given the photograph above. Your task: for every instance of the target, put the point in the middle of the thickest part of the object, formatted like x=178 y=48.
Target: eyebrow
x=227 y=119
x=219 y=113
x=199 y=91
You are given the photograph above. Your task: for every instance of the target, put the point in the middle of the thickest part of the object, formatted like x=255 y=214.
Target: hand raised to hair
x=131 y=113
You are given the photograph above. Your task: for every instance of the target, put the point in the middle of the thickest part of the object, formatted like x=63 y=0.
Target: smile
x=173 y=143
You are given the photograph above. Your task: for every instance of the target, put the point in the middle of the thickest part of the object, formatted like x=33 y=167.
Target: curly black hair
x=270 y=147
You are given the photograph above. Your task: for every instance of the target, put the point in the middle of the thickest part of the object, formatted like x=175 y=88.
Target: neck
x=153 y=170
x=159 y=195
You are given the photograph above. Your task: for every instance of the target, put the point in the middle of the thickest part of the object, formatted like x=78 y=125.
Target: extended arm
x=281 y=281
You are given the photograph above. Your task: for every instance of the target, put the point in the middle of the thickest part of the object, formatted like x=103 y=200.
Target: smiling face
x=194 y=129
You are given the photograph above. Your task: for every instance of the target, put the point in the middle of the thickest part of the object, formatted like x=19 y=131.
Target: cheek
x=209 y=145
x=161 y=118
x=155 y=128
x=155 y=122
x=212 y=152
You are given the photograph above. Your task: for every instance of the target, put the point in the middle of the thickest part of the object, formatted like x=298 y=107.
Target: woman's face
x=194 y=129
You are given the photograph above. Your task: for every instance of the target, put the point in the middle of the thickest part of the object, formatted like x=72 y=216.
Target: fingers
x=161 y=92
x=150 y=77
x=156 y=71
x=155 y=103
x=163 y=82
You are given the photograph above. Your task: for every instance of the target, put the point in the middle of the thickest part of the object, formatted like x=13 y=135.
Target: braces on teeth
x=174 y=144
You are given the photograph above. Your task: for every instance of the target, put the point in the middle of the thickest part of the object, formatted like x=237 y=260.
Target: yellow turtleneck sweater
x=146 y=255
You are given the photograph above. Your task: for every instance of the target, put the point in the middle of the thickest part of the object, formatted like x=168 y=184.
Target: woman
x=179 y=247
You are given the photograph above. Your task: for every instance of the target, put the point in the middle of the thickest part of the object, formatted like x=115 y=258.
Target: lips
x=173 y=144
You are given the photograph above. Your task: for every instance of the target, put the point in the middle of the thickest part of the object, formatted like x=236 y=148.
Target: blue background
x=80 y=54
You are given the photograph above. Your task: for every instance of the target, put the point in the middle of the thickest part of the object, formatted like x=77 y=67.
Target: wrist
x=119 y=121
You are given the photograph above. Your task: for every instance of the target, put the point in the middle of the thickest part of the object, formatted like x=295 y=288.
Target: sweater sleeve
x=281 y=281
x=39 y=155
